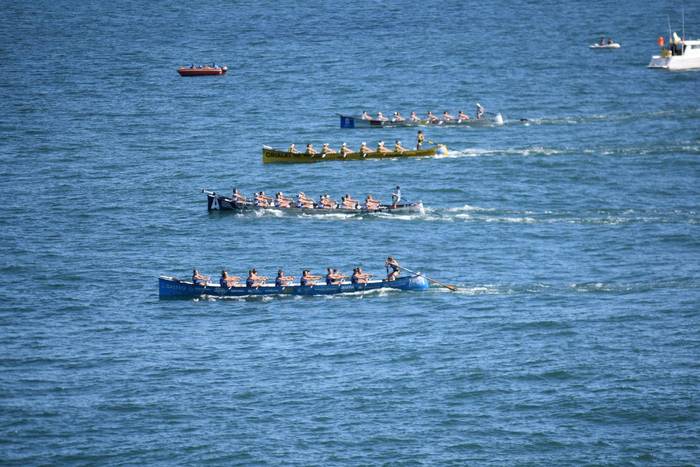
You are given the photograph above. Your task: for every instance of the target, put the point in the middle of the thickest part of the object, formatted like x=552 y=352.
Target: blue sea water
x=574 y=238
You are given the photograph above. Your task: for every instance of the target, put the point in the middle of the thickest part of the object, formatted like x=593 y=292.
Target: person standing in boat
x=479 y=111
x=398 y=148
x=419 y=140
x=281 y=280
x=199 y=279
x=293 y=149
x=396 y=196
x=310 y=151
x=395 y=268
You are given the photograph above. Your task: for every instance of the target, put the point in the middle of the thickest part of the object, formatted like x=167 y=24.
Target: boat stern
x=657 y=61
x=171 y=287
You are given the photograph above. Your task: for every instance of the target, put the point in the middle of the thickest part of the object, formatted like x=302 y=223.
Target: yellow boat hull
x=275 y=156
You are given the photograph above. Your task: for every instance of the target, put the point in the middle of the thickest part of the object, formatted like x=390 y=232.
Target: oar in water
x=447 y=286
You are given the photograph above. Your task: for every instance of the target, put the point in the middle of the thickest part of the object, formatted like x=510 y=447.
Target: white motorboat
x=609 y=45
x=678 y=54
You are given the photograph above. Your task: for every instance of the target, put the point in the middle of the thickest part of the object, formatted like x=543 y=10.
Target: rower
x=293 y=149
x=366 y=116
x=364 y=149
x=330 y=278
x=381 y=117
x=395 y=268
x=228 y=281
x=419 y=140
x=396 y=196
x=238 y=197
x=304 y=201
x=398 y=148
x=325 y=202
x=282 y=201
x=398 y=118
x=253 y=280
x=446 y=117
x=432 y=118
x=371 y=204
x=359 y=277
x=261 y=200
x=348 y=202
x=310 y=151
x=307 y=279
x=479 y=111
x=345 y=150
x=326 y=149
x=461 y=117
x=381 y=149
x=281 y=280
x=199 y=279
x=414 y=118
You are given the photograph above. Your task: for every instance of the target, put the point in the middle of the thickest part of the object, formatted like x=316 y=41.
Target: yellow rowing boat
x=274 y=156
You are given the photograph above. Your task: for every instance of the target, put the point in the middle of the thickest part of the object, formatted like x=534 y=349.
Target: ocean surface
x=574 y=238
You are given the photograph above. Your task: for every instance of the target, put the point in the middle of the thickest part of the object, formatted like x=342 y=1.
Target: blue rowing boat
x=171 y=287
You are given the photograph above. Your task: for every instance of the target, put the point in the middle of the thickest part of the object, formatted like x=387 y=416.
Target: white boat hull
x=674 y=62
x=614 y=45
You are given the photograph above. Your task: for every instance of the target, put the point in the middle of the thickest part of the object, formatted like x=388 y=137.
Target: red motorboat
x=205 y=70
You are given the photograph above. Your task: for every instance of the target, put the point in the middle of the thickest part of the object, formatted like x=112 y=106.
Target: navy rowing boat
x=171 y=287
x=217 y=202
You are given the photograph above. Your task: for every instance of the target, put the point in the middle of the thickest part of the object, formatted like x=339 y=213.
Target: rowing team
x=430 y=117
x=261 y=200
x=345 y=150
x=333 y=277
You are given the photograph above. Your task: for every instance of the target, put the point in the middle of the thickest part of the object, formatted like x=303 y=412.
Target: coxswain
x=601 y=41
x=364 y=149
x=395 y=268
x=293 y=149
x=348 y=202
x=420 y=138
x=446 y=117
x=398 y=148
x=281 y=280
x=228 y=281
x=326 y=149
x=345 y=150
x=479 y=111
x=398 y=118
x=381 y=149
x=414 y=118
x=371 y=204
x=307 y=279
x=432 y=118
x=396 y=196
x=310 y=151
x=461 y=117
x=366 y=116
x=199 y=279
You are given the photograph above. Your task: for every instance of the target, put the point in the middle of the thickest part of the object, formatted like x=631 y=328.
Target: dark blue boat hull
x=170 y=287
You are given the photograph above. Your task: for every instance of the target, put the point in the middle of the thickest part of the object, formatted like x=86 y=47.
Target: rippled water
x=573 y=237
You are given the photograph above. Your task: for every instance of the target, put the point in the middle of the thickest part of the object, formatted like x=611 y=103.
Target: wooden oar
x=453 y=288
